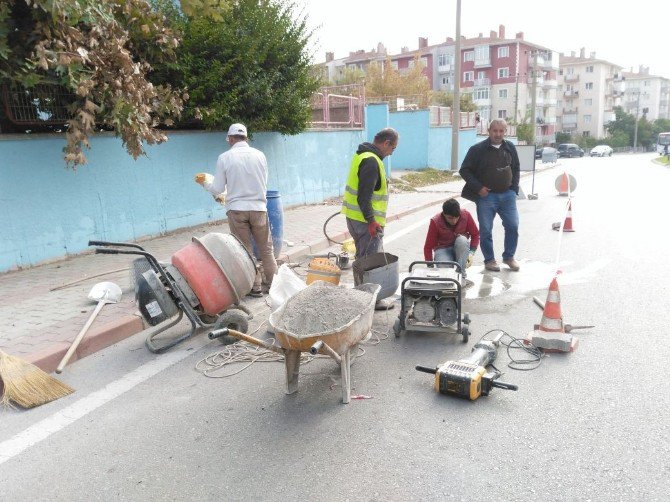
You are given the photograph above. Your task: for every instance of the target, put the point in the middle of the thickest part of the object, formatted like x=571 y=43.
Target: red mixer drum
x=218 y=269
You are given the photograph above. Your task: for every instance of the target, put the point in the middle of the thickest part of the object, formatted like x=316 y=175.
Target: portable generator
x=431 y=300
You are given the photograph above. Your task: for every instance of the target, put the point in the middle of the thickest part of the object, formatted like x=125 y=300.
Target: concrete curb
x=96 y=339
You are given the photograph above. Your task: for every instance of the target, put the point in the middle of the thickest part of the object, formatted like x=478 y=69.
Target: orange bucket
x=322 y=269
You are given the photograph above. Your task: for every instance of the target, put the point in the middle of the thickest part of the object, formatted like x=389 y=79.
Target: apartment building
x=589 y=89
x=502 y=74
x=646 y=94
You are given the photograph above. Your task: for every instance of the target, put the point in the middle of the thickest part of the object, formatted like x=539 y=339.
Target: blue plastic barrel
x=276 y=218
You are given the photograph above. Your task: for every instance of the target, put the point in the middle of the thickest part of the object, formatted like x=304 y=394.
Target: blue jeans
x=458 y=253
x=503 y=204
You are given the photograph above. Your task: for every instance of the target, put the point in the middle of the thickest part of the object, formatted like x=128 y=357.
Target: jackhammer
x=469 y=378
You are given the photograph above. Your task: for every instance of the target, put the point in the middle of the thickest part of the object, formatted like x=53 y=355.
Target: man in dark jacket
x=491 y=173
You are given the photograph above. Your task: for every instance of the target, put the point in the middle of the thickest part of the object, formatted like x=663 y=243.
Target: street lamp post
x=456 y=106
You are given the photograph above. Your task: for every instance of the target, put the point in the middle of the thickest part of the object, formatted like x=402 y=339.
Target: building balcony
x=482 y=103
x=571 y=94
x=483 y=62
x=550 y=102
x=482 y=82
x=569 y=120
x=538 y=80
x=444 y=68
x=609 y=116
x=549 y=120
x=539 y=101
x=550 y=84
x=574 y=77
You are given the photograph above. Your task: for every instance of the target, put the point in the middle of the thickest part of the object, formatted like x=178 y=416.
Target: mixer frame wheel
x=465 y=333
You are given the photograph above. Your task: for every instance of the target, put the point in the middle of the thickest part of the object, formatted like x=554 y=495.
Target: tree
x=384 y=82
x=250 y=66
x=623 y=124
x=443 y=98
x=99 y=52
x=350 y=76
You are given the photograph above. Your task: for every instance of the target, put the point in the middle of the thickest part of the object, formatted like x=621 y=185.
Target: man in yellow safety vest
x=366 y=193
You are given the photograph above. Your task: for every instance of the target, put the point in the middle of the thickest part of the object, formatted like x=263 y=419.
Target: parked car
x=547 y=154
x=601 y=151
x=570 y=150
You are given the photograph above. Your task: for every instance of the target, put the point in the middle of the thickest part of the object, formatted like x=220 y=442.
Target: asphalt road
x=591 y=425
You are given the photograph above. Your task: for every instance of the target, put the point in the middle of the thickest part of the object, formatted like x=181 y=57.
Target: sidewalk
x=44 y=308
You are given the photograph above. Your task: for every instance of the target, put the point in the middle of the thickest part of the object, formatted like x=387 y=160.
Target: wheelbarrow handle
x=217 y=333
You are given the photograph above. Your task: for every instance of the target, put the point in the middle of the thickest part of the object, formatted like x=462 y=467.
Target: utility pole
x=533 y=98
x=456 y=106
x=637 y=114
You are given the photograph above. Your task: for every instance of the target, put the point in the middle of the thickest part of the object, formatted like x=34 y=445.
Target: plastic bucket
x=322 y=269
x=378 y=268
x=276 y=219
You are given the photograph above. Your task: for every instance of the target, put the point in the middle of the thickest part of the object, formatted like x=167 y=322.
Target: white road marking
x=61 y=419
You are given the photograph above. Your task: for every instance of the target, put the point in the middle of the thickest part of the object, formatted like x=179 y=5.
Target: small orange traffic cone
x=552 y=318
x=567 y=224
x=564 y=185
x=550 y=334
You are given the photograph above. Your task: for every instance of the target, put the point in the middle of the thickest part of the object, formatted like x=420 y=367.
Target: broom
x=27 y=385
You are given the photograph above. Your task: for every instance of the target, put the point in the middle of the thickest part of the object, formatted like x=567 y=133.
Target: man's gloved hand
x=471 y=257
x=375 y=229
x=221 y=198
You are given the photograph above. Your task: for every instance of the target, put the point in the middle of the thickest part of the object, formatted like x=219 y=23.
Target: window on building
x=588 y=86
x=445 y=80
x=588 y=102
x=586 y=134
x=589 y=69
x=587 y=119
x=502 y=114
x=502 y=93
x=559 y=103
x=503 y=52
x=481 y=93
x=443 y=60
x=469 y=56
x=394 y=65
x=647 y=83
x=410 y=63
x=468 y=76
x=481 y=75
x=424 y=61
x=503 y=72
x=570 y=70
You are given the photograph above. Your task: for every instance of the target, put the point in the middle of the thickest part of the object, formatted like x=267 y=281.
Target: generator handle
x=455 y=265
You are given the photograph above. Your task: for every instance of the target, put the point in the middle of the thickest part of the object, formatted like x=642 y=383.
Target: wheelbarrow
x=336 y=343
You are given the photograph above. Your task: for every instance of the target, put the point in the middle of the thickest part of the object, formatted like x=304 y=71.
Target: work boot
x=492 y=266
x=466 y=283
x=255 y=293
x=384 y=304
x=512 y=264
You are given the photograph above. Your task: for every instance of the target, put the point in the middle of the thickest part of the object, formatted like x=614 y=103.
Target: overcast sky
x=625 y=33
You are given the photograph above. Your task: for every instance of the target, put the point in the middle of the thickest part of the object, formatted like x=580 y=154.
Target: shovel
x=103 y=292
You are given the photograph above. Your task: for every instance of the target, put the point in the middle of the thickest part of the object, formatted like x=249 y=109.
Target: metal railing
x=340 y=106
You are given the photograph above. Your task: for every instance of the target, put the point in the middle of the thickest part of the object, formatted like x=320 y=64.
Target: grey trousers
x=365 y=245
x=244 y=224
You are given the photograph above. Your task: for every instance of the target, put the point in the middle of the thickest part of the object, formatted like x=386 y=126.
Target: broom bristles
x=27 y=385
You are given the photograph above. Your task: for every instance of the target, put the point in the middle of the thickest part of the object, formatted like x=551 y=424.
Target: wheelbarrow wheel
x=231 y=319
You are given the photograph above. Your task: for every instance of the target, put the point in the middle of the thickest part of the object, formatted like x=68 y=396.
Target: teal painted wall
x=49 y=211
x=412 y=151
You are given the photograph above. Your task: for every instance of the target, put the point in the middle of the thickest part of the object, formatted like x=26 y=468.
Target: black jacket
x=472 y=168
x=368 y=179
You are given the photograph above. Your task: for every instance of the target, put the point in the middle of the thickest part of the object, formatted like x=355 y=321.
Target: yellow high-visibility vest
x=350 y=207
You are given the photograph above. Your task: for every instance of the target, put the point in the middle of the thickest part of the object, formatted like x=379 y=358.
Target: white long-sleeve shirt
x=242 y=172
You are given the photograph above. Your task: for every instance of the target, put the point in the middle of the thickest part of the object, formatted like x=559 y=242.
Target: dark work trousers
x=365 y=245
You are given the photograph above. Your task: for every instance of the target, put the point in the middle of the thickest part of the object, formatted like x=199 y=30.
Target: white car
x=602 y=151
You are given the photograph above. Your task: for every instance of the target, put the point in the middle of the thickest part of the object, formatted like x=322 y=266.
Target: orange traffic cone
x=564 y=184
x=552 y=318
x=550 y=334
x=567 y=224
